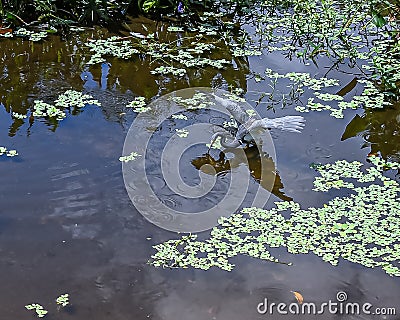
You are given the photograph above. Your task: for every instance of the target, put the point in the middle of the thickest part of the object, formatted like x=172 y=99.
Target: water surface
x=67 y=224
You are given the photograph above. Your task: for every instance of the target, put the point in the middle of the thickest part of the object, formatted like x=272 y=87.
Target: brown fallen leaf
x=5 y=30
x=298 y=297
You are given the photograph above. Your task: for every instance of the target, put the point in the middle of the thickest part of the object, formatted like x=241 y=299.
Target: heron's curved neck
x=226 y=144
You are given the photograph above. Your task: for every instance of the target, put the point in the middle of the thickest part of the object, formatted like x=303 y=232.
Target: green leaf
x=378 y=20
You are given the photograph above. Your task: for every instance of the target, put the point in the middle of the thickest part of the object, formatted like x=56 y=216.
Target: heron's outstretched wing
x=234 y=108
x=287 y=123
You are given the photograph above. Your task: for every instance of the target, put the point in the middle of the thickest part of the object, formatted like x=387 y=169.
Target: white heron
x=249 y=125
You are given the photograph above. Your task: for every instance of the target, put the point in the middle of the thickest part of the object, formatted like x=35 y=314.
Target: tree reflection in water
x=380 y=130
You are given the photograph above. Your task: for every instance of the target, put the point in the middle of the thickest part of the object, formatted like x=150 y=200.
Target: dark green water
x=68 y=225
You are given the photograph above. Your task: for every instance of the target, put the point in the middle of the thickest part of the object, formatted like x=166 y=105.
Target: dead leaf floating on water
x=298 y=297
x=5 y=30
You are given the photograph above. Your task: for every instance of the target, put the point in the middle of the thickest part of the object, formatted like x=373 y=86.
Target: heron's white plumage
x=250 y=125
x=287 y=123
x=234 y=109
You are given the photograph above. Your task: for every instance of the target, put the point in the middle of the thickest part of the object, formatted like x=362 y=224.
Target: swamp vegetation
x=69 y=91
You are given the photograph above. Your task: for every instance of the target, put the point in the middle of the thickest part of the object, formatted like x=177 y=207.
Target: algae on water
x=362 y=227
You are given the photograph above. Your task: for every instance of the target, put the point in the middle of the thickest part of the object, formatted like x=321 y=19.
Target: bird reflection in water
x=260 y=164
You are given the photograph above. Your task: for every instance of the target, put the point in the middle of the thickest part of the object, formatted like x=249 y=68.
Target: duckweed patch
x=43 y=109
x=336 y=29
x=130 y=157
x=165 y=70
x=174 y=58
x=384 y=63
x=370 y=98
x=342 y=32
x=75 y=99
x=363 y=227
x=63 y=300
x=197 y=101
x=138 y=105
x=182 y=133
x=8 y=152
x=179 y=117
x=69 y=99
x=113 y=46
x=40 y=311
x=19 y=116
x=31 y=35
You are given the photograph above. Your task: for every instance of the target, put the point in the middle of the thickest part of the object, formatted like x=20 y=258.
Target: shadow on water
x=261 y=166
x=67 y=224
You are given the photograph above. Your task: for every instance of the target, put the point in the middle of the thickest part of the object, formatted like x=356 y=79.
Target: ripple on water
x=83 y=231
x=73 y=194
x=316 y=151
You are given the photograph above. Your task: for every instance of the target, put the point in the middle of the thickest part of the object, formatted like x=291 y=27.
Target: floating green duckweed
x=234 y=97
x=179 y=117
x=43 y=109
x=22 y=32
x=19 y=116
x=239 y=52
x=113 y=47
x=63 y=300
x=198 y=101
x=331 y=28
x=12 y=153
x=164 y=70
x=69 y=99
x=131 y=157
x=363 y=227
x=340 y=31
x=232 y=123
x=175 y=29
x=40 y=311
x=182 y=133
x=251 y=112
x=172 y=59
x=299 y=82
x=75 y=99
x=76 y=29
x=37 y=36
x=31 y=35
x=138 y=105
x=384 y=62
x=304 y=79
x=328 y=96
x=370 y=98
x=9 y=153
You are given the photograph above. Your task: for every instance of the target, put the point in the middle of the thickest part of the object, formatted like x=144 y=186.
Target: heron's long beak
x=211 y=144
x=213 y=138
